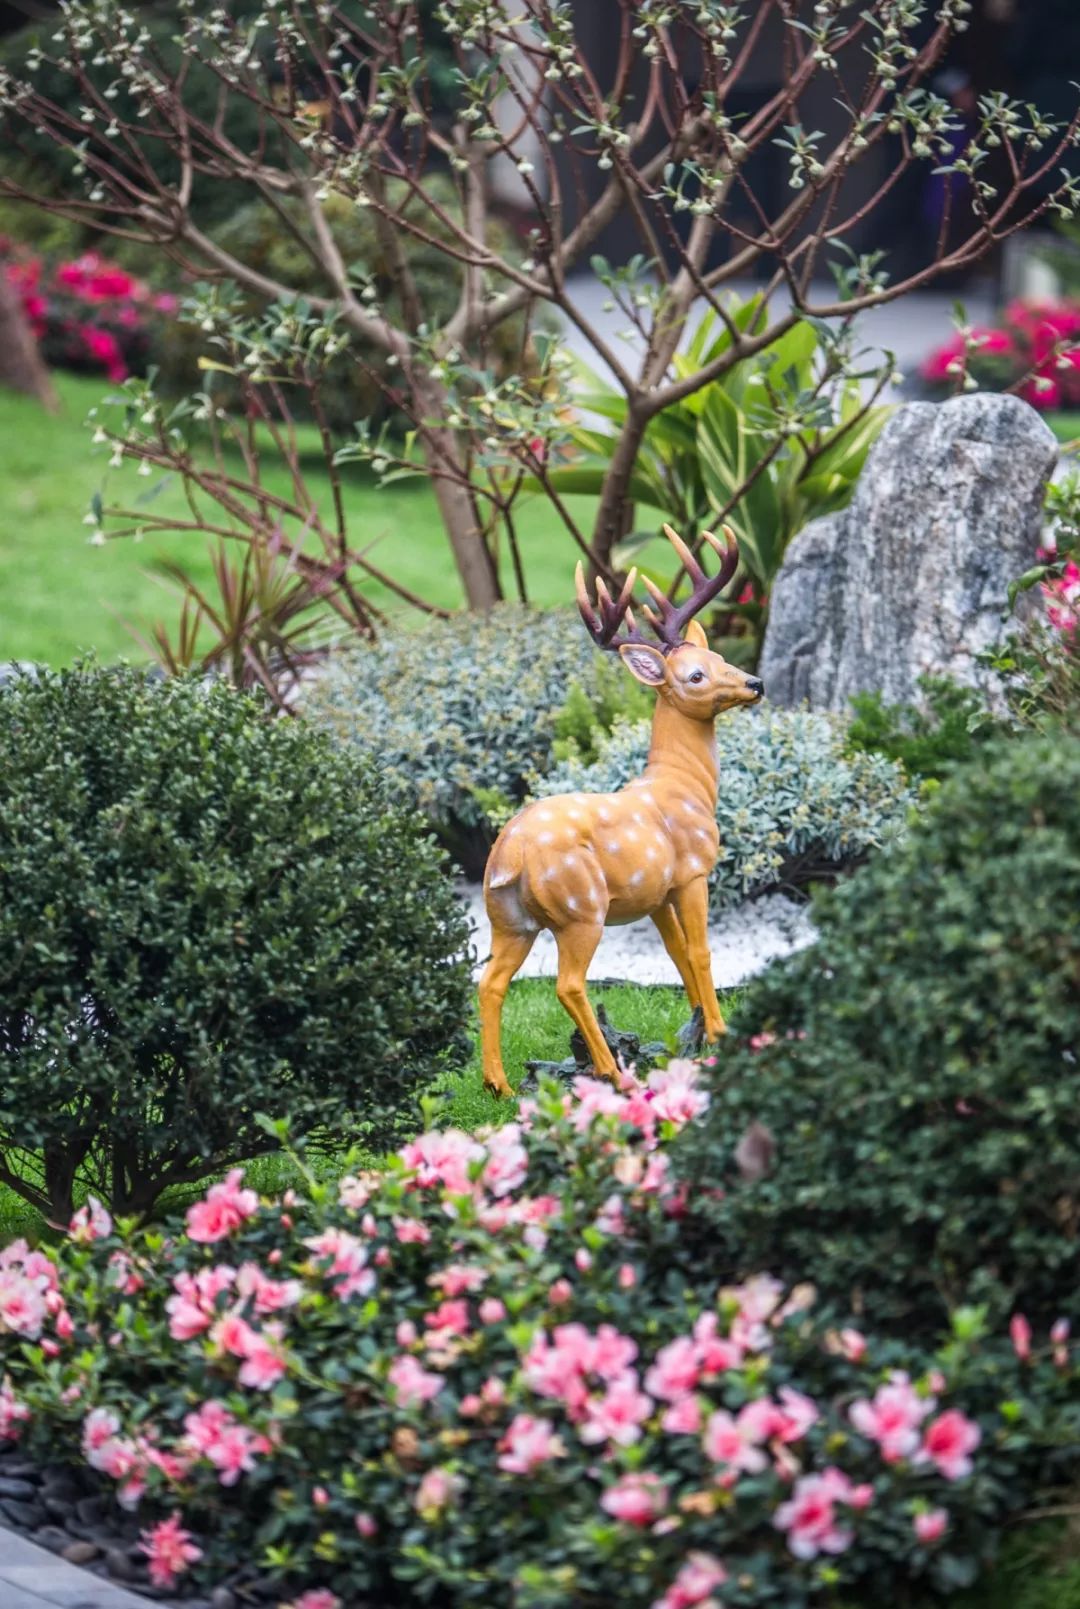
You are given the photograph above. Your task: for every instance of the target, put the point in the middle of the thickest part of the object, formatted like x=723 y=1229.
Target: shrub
x=204 y=916
x=917 y=1067
x=1032 y=351
x=793 y=806
x=927 y=739
x=88 y=314
x=478 y=1379
x=460 y=712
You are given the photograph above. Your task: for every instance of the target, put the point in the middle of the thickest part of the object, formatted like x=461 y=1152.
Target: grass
x=62 y=596
x=534 y=1027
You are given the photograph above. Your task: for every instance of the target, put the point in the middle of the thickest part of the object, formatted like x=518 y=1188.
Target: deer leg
x=508 y=952
x=692 y=906
x=577 y=946
x=670 y=930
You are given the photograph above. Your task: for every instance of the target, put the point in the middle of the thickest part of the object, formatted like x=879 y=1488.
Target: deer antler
x=603 y=620
x=668 y=622
x=603 y=627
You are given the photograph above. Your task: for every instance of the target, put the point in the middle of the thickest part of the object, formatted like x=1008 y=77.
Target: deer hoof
x=499 y=1088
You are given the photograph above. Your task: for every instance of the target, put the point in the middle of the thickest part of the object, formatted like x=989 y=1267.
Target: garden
x=539 y=810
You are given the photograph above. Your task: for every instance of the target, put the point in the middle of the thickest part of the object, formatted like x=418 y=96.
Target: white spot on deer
x=638 y=877
x=545 y=837
x=571 y=903
x=605 y=817
x=544 y=815
x=694 y=864
x=613 y=847
x=652 y=852
x=702 y=832
x=547 y=874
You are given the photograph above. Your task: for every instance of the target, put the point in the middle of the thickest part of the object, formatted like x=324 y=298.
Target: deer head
x=679 y=664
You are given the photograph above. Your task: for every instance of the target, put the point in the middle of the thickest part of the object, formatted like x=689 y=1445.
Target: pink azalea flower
x=618 y=1415
x=683 y=1417
x=169 y=1550
x=1059 y=1336
x=411 y=1232
x=264 y=1362
x=931 y=1524
x=716 y=1353
x=366 y=1526
x=893 y=1418
x=211 y=1432
x=100 y=1426
x=459 y=1279
x=948 y=1441
x=348 y=1262
x=315 y=1598
x=438 y=1490
x=635 y=1499
x=443 y=1157
x=266 y=1295
x=13 y=1413
x=412 y=1383
x=611 y=1354
x=1020 y=1335
x=810 y=1517
x=528 y=1444
x=677 y=1097
x=22 y=1304
x=698 y=1577
x=91 y=1222
x=675 y=1371
x=225 y=1208
x=507 y=1162
x=492 y=1310
x=452 y=1316
x=734 y=1442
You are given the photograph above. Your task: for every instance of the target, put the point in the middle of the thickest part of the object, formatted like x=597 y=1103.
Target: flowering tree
x=344 y=102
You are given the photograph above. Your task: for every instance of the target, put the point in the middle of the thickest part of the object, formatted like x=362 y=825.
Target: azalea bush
x=917 y=1066
x=477 y=1377
x=1034 y=350
x=89 y=314
x=207 y=918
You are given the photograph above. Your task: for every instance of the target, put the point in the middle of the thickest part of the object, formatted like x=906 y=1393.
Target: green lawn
x=61 y=596
x=534 y=1026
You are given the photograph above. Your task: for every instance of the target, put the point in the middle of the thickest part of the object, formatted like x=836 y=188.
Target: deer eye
x=696 y=676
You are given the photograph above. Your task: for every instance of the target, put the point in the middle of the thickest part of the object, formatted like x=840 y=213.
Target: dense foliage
x=478 y=1379
x=944 y=729
x=460 y=712
x=918 y=1067
x=793 y=807
x=204 y=916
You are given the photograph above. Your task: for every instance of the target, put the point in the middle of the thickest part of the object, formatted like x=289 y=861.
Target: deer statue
x=578 y=861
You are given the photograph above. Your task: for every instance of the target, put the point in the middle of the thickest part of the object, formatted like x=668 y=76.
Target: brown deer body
x=578 y=862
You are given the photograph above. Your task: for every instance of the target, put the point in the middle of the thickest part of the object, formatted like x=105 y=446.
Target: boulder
x=912 y=577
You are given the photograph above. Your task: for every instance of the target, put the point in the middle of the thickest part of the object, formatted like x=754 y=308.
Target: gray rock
x=80 y=1552
x=53 y=1537
x=21 y=1490
x=222 y=1598
x=23 y=1516
x=120 y=1566
x=912 y=577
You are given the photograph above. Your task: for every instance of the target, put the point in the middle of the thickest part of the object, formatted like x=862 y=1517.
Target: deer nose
x=756 y=686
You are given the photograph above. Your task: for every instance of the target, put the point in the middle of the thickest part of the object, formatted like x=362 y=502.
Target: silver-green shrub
x=460 y=713
x=793 y=804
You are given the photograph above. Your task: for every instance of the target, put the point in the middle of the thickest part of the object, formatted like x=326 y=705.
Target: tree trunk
x=21 y=366
x=609 y=525
x=472 y=556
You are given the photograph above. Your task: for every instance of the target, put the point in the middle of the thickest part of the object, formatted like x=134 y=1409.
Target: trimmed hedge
x=205 y=916
x=919 y=1067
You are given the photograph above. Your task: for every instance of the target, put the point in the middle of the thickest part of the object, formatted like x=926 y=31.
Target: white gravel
x=742 y=943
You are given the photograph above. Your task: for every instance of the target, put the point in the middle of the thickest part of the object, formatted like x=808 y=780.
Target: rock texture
x=912 y=577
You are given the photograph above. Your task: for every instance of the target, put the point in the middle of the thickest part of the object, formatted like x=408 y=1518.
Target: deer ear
x=695 y=634
x=646 y=663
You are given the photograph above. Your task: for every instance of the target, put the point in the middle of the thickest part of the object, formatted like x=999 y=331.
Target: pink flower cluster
x=30 y=1299
x=1062 y=596
x=895 y=1418
x=1036 y=348
x=88 y=313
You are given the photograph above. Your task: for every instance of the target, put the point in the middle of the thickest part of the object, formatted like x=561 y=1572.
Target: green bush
x=918 y=1068
x=946 y=728
x=204 y=916
x=793 y=807
x=460 y=712
x=479 y=1378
